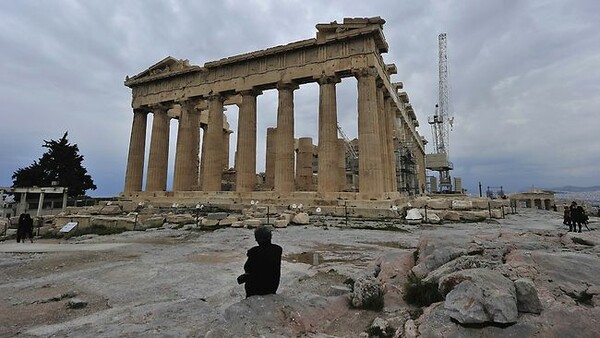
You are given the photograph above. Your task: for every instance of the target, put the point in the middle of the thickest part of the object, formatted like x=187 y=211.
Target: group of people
x=574 y=216
x=25 y=229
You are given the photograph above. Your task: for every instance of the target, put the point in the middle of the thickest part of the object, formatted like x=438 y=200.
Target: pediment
x=165 y=66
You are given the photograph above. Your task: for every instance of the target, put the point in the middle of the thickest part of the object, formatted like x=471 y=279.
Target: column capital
x=365 y=72
x=160 y=106
x=250 y=92
x=190 y=104
x=287 y=85
x=141 y=110
x=216 y=97
x=325 y=79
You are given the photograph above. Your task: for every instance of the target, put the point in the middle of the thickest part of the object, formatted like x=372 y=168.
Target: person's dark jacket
x=577 y=214
x=263 y=269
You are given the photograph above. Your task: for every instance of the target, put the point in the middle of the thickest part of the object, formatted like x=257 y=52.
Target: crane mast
x=441 y=124
x=442 y=136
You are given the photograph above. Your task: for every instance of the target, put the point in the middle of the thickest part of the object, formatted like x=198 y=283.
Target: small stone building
x=540 y=199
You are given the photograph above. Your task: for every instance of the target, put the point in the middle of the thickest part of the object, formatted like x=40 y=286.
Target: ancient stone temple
x=196 y=96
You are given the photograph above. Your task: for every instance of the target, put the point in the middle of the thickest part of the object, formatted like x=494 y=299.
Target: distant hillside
x=569 y=188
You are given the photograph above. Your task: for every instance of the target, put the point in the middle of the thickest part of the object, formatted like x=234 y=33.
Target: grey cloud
x=523 y=75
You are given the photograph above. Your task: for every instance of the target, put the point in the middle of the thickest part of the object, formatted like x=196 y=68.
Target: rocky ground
x=522 y=276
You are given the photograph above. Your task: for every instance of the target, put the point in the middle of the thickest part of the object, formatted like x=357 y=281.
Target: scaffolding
x=406 y=168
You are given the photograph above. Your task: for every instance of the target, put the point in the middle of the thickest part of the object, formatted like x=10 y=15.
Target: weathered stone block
x=462 y=204
x=180 y=219
x=301 y=218
x=474 y=216
x=151 y=222
x=439 y=203
x=209 y=222
x=112 y=222
x=82 y=220
x=280 y=223
x=252 y=223
x=413 y=216
x=433 y=218
x=217 y=215
x=480 y=203
x=111 y=210
x=128 y=206
x=497 y=213
x=453 y=216
x=228 y=221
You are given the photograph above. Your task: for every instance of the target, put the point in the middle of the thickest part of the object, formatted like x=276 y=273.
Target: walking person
x=25 y=228
x=567 y=217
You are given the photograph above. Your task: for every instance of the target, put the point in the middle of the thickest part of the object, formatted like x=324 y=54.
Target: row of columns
x=376 y=121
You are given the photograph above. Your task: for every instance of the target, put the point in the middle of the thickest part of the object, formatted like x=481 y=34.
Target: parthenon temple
x=389 y=152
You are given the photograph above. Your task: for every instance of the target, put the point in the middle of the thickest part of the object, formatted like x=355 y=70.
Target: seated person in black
x=263 y=266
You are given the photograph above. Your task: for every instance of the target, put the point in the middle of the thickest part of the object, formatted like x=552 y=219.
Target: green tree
x=62 y=163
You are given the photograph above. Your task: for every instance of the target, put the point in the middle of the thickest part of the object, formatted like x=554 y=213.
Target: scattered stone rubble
x=129 y=215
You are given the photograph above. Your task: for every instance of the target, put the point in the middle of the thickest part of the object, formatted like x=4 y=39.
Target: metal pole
x=346 y=211
x=480 y=195
x=268 y=212
x=490 y=209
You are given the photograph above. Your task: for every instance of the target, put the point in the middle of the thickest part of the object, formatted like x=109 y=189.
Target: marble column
x=201 y=170
x=159 y=150
x=369 y=165
x=390 y=118
x=213 y=159
x=226 y=138
x=328 y=138
x=187 y=148
x=304 y=168
x=270 y=158
x=284 y=152
x=382 y=137
x=246 y=142
x=341 y=159
x=137 y=144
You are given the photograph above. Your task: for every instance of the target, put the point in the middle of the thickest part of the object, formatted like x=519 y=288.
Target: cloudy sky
x=524 y=77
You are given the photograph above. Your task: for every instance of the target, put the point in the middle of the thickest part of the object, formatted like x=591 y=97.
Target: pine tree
x=62 y=163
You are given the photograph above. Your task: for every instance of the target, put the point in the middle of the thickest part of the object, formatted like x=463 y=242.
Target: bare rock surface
x=182 y=283
x=477 y=296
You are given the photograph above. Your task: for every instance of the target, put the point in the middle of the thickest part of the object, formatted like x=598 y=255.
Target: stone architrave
x=369 y=164
x=328 y=139
x=284 y=152
x=304 y=181
x=159 y=150
x=270 y=158
x=137 y=144
x=187 y=148
x=246 y=142
x=213 y=161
